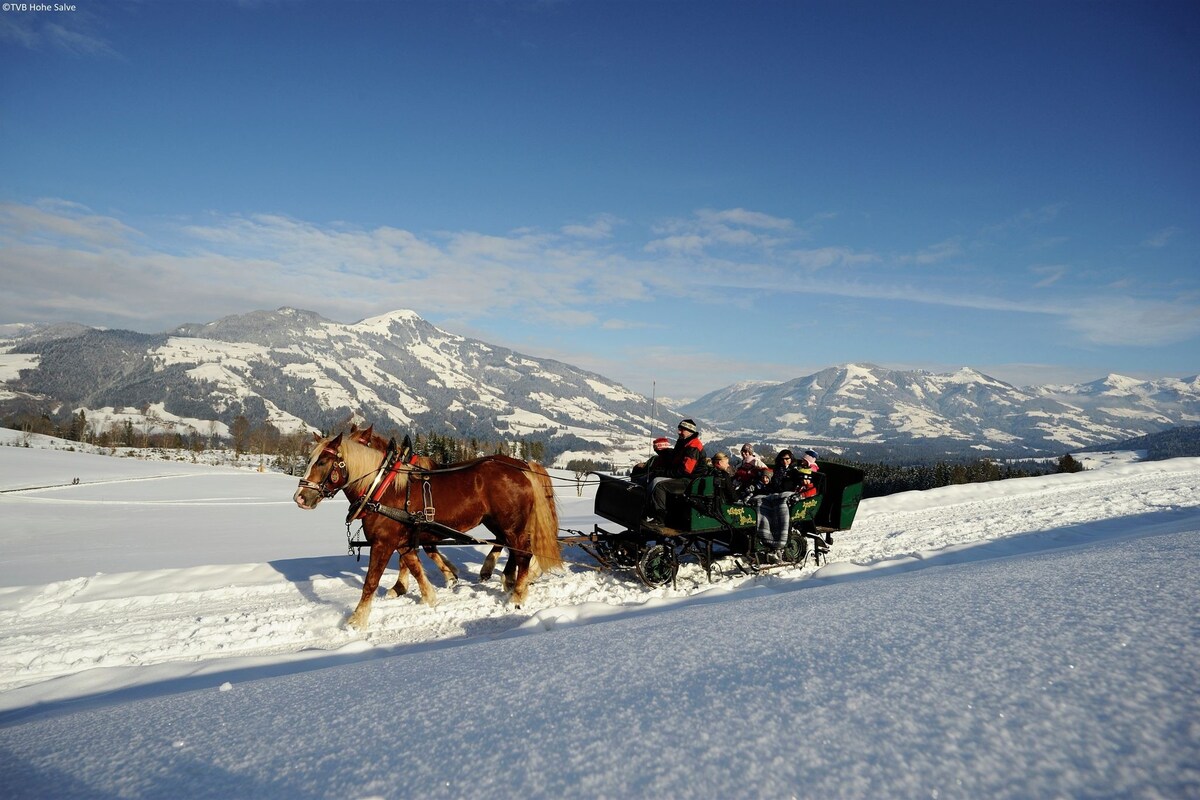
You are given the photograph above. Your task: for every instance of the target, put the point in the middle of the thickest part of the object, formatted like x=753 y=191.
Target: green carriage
x=700 y=528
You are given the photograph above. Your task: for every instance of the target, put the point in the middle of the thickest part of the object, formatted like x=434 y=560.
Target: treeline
x=286 y=451
x=281 y=449
x=884 y=479
x=446 y=449
x=1183 y=442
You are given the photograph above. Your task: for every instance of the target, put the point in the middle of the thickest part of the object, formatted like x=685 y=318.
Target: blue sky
x=676 y=195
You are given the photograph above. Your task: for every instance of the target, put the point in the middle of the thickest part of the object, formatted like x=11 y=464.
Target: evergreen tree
x=1068 y=464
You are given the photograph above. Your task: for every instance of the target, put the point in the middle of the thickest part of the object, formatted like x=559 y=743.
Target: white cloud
x=1027 y=218
x=76 y=33
x=53 y=220
x=600 y=227
x=1050 y=274
x=740 y=216
x=937 y=253
x=61 y=261
x=1161 y=238
x=1130 y=321
x=709 y=228
x=825 y=257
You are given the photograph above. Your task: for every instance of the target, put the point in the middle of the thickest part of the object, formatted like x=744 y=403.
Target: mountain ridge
x=294 y=368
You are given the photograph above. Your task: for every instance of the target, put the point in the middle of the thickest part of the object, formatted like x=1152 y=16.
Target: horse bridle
x=335 y=479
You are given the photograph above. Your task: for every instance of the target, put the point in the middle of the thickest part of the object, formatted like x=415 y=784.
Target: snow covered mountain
x=866 y=404
x=297 y=369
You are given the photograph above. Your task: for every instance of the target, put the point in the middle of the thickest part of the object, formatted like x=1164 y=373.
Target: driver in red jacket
x=686 y=461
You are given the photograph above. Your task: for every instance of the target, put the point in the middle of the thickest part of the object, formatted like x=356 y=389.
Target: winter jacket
x=687 y=456
x=785 y=480
x=723 y=487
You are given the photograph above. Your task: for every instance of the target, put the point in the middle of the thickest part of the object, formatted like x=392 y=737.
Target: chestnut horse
x=368 y=437
x=504 y=494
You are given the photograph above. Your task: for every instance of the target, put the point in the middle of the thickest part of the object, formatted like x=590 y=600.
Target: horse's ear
x=405 y=448
x=316 y=436
x=367 y=433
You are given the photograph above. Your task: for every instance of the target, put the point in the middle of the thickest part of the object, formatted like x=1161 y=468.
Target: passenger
x=787 y=477
x=809 y=464
x=643 y=472
x=750 y=459
x=722 y=480
x=748 y=476
x=686 y=461
x=807 y=488
x=752 y=483
x=774 y=502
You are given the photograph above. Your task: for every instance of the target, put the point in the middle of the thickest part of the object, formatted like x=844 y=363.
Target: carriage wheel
x=618 y=552
x=657 y=567
x=796 y=548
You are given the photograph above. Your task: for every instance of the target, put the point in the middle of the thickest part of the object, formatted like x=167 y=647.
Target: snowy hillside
x=176 y=630
x=962 y=410
x=295 y=369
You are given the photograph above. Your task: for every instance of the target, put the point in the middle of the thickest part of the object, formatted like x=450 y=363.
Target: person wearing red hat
x=643 y=472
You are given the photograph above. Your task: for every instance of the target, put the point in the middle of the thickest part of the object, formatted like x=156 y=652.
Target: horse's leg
x=489 y=563
x=510 y=571
x=449 y=573
x=428 y=594
x=520 y=582
x=381 y=554
x=401 y=586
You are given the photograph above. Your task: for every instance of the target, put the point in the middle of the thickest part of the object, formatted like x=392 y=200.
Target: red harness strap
x=397 y=465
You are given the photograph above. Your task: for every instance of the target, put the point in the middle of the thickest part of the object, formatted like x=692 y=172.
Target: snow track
x=222 y=616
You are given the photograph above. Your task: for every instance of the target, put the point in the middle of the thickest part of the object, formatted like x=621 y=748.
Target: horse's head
x=367 y=437
x=326 y=475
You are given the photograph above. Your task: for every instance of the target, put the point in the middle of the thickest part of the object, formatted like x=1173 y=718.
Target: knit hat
x=812 y=454
x=689 y=425
x=662 y=443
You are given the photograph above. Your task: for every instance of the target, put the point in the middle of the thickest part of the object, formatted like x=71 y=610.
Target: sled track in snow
x=233 y=614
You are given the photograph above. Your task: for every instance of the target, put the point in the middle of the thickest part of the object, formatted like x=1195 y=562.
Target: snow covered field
x=175 y=630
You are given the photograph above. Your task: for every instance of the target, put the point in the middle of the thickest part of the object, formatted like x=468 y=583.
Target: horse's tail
x=543 y=528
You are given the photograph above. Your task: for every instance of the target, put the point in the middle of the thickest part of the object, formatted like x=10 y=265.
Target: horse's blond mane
x=362 y=462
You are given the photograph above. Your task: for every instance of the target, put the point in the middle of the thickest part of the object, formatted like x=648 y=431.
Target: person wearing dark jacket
x=722 y=480
x=687 y=461
x=655 y=465
x=787 y=477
